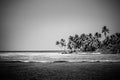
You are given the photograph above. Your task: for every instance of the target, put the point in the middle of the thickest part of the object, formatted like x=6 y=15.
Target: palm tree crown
x=105 y=30
x=97 y=35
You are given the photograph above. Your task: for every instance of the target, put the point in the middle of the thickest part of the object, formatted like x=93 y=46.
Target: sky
x=38 y=24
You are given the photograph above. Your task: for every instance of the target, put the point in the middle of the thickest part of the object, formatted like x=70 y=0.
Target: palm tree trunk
x=105 y=34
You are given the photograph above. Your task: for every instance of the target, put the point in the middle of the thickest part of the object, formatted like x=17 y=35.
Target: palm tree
x=57 y=42
x=105 y=30
x=90 y=35
x=97 y=35
x=83 y=36
x=61 y=44
x=72 y=43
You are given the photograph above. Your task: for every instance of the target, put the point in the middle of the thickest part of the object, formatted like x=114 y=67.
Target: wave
x=58 y=57
x=62 y=61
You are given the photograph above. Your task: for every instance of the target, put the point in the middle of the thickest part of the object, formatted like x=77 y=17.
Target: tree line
x=92 y=42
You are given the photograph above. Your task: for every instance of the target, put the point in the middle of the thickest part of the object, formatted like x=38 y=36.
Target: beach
x=59 y=71
x=56 y=66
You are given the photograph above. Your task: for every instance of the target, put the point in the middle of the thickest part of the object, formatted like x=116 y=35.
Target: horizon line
x=31 y=51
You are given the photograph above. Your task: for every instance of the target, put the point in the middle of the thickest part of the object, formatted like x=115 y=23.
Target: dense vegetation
x=92 y=42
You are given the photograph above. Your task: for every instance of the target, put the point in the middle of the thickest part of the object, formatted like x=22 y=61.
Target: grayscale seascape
x=59 y=39
x=57 y=66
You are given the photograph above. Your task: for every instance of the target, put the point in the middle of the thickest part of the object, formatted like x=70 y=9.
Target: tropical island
x=89 y=43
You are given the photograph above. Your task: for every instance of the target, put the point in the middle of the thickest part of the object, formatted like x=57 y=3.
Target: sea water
x=58 y=57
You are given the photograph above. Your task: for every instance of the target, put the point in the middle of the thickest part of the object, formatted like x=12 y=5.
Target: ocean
x=58 y=57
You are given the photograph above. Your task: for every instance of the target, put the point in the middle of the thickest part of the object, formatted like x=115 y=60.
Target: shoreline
x=59 y=71
x=61 y=61
x=58 y=57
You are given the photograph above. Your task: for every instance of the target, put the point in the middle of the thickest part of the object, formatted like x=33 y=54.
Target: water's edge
x=58 y=57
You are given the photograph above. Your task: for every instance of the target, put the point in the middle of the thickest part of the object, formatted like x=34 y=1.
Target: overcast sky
x=37 y=24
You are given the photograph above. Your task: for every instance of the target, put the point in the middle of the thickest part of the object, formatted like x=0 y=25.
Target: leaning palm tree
x=105 y=30
x=57 y=42
x=61 y=44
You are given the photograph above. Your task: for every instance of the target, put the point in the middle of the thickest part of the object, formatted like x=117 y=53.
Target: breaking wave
x=58 y=58
x=91 y=61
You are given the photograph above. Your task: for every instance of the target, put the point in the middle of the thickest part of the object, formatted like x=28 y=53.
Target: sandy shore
x=59 y=71
x=31 y=66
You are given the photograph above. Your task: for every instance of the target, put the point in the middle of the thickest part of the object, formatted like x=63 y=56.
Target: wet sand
x=59 y=71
